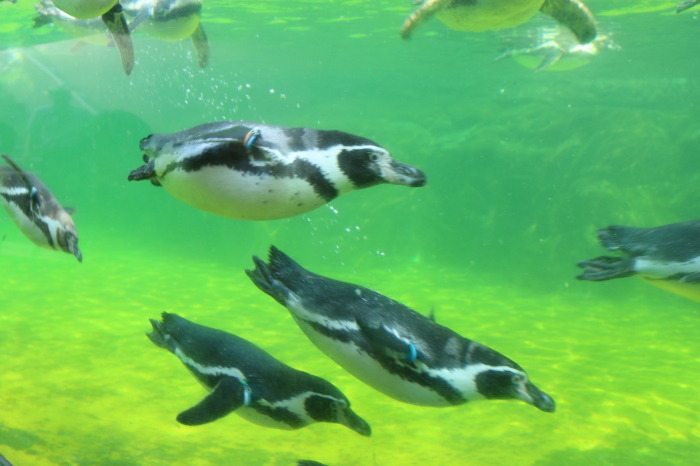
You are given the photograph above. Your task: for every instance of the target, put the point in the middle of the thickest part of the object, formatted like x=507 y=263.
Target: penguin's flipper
x=201 y=45
x=606 y=268
x=227 y=396
x=574 y=15
x=116 y=23
x=691 y=278
x=138 y=20
x=425 y=10
x=550 y=58
x=387 y=342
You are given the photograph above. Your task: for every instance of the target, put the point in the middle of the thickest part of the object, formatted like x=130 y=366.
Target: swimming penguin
x=244 y=379
x=252 y=171
x=685 y=5
x=111 y=13
x=483 y=15
x=170 y=20
x=389 y=346
x=36 y=211
x=667 y=256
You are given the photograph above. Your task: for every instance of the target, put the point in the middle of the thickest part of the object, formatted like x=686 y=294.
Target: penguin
x=667 y=256
x=686 y=5
x=309 y=463
x=170 y=20
x=244 y=379
x=389 y=346
x=111 y=13
x=253 y=171
x=36 y=211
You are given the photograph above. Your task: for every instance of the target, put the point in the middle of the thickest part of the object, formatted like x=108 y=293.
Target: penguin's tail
x=606 y=268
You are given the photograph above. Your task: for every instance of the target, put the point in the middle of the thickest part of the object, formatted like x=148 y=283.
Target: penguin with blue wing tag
x=35 y=210
x=244 y=379
x=253 y=171
x=667 y=256
x=390 y=347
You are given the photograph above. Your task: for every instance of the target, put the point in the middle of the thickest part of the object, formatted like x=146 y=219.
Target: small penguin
x=244 y=379
x=36 y=211
x=686 y=5
x=389 y=346
x=170 y=20
x=667 y=256
x=252 y=171
x=111 y=13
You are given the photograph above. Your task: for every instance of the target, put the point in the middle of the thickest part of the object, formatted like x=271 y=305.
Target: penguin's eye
x=373 y=156
x=517 y=378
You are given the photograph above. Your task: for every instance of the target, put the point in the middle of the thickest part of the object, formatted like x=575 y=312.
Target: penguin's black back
x=346 y=301
x=676 y=242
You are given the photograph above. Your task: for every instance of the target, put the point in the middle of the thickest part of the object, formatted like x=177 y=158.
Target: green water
x=522 y=169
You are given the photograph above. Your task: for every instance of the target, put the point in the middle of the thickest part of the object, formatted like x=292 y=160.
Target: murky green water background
x=522 y=169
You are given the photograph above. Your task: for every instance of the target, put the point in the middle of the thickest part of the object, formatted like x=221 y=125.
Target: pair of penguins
x=255 y=172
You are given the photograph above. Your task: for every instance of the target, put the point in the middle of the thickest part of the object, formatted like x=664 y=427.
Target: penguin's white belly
x=172 y=30
x=233 y=194
x=368 y=370
x=85 y=9
x=251 y=415
x=28 y=228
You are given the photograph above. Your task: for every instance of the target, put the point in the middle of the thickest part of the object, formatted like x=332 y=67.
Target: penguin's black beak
x=403 y=174
x=537 y=398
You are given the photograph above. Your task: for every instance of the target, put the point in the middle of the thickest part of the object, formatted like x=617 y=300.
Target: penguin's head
x=369 y=165
x=67 y=235
x=506 y=383
x=335 y=409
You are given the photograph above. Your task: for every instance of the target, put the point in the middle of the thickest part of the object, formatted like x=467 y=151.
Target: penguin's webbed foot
x=606 y=268
x=263 y=279
x=144 y=172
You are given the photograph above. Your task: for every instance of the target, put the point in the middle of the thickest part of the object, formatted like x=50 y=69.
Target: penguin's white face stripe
x=464 y=378
x=298 y=310
x=665 y=269
x=53 y=225
x=210 y=370
x=14 y=190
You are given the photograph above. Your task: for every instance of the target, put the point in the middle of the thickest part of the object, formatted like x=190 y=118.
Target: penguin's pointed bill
x=116 y=23
x=201 y=45
x=574 y=15
x=227 y=396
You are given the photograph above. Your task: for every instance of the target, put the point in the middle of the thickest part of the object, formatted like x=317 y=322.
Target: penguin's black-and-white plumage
x=36 y=211
x=170 y=20
x=389 y=346
x=244 y=379
x=667 y=256
x=252 y=171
